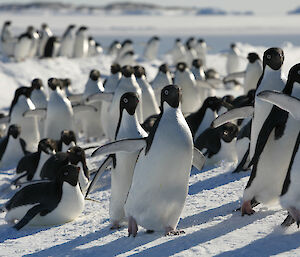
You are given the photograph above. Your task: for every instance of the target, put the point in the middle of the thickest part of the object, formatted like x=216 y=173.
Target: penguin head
x=228 y=131
x=14 y=130
x=252 y=57
x=232 y=45
x=7 y=23
x=172 y=95
x=115 y=68
x=177 y=40
x=201 y=41
x=273 y=57
x=76 y=154
x=126 y=42
x=181 y=66
x=164 y=68
x=36 y=83
x=83 y=28
x=71 y=26
x=212 y=74
x=154 y=38
x=65 y=83
x=48 y=146
x=95 y=75
x=213 y=102
x=129 y=102
x=68 y=136
x=69 y=173
x=26 y=91
x=45 y=26
x=197 y=63
x=139 y=71
x=127 y=71
x=53 y=83
x=294 y=73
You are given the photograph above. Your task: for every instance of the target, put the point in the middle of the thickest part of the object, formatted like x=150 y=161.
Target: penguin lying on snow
x=157 y=204
x=47 y=203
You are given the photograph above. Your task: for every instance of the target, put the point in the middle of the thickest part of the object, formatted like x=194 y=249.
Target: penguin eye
x=166 y=92
x=269 y=56
x=125 y=100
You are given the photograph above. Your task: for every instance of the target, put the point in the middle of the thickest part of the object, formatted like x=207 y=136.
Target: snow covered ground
x=211 y=227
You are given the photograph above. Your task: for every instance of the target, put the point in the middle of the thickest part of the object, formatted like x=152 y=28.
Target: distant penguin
x=29 y=126
x=150 y=106
x=52 y=47
x=12 y=148
x=99 y=48
x=151 y=48
x=47 y=203
x=233 y=62
x=67 y=42
x=67 y=140
x=218 y=144
x=127 y=58
x=23 y=45
x=34 y=42
x=201 y=49
x=198 y=70
x=92 y=46
x=276 y=136
x=81 y=43
x=178 y=53
x=114 y=48
x=191 y=53
x=191 y=98
x=162 y=79
x=126 y=46
x=45 y=34
x=29 y=167
x=7 y=40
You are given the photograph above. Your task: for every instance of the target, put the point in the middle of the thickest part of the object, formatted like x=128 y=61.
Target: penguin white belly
x=242 y=146
x=273 y=165
x=39 y=99
x=22 y=49
x=67 y=47
x=252 y=76
x=233 y=64
x=206 y=122
x=160 y=182
x=43 y=158
x=82 y=179
x=13 y=153
x=81 y=47
x=17 y=213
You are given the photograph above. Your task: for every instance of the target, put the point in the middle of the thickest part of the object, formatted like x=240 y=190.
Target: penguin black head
x=127 y=71
x=76 y=154
x=114 y=44
x=213 y=102
x=71 y=26
x=181 y=66
x=232 y=45
x=139 y=71
x=177 y=40
x=94 y=75
x=53 y=83
x=129 y=102
x=14 y=131
x=47 y=145
x=273 y=57
x=7 y=23
x=65 y=83
x=37 y=83
x=128 y=53
x=252 y=57
x=115 y=68
x=164 y=68
x=201 y=40
x=26 y=91
x=68 y=136
x=172 y=95
x=126 y=42
x=90 y=38
x=211 y=74
x=44 y=26
x=294 y=73
x=69 y=173
x=197 y=63
x=228 y=131
x=82 y=28
x=228 y=98
x=154 y=38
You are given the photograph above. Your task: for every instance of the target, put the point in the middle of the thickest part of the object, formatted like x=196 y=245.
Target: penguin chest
x=13 y=153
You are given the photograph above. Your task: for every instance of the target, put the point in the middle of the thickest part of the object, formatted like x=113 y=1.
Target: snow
x=211 y=226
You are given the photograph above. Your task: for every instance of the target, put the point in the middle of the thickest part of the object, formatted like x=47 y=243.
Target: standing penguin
x=23 y=45
x=67 y=42
x=45 y=34
x=114 y=48
x=47 y=203
x=12 y=148
x=201 y=49
x=157 y=204
x=178 y=53
x=150 y=106
x=81 y=44
x=7 y=40
x=162 y=79
x=233 y=62
x=151 y=48
x=34 y=42
x=126 y=46
x=52 y=47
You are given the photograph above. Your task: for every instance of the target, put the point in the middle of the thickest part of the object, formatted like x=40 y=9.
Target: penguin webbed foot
x=295 y=216
x=289 y=220
x=247 y=208
x=132 y=227
x=173 y=232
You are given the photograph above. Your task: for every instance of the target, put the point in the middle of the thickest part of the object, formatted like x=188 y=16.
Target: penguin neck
x=127 y=123
x=112 y=82
x=268 y=76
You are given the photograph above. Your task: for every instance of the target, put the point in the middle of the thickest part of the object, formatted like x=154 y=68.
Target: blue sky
x=271 y=7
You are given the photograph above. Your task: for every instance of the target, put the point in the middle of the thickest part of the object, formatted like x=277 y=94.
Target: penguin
x=233 y=61
x=191 y=99
x=162 y=79
x=177 y=53
x=277 y=135
x=7 y=40
x=67 y=42
x=81 y=43
x=30 y=165
x=45 y=34
x=157 y=204
x=114 y=48
x=92 y=46
x=52 y=47
x=109 y=87
x=99 y=48
x=218 y=144
x=47 y=203
x=34 y=42
x=201 y=49
x=191 y=53
x=23 y=45
x=127 y=58
x=198 y=69
x=29 y=126
x=150 y=106
x=75 y=155
x=126 y=46
x=12 y=148
x=67 y=140
x=39 y=99
x=151 y=48
x=251 y=75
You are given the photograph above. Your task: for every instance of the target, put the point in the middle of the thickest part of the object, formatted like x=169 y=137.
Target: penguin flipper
x=198 y=159
x=233 y=76
x=283 y=101
x=234 y=114
x=124 y=145
x=40 y=112
x=75 y=98
x=30 y=215
x=107 y=97
x=83 y=108
x=99 y=172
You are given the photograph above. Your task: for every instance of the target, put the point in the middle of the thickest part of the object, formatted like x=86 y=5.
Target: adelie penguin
x=45 y=34
x=8 y=41
x=177 y=53
x=81 y=43
x=151 y=48
x=47 y=203
x=67 y=42
x=233 y=62
x=123 y=163
x=201 y=49
x=157 y=204
x=52 y=47
x=23 y=45
x=67 y=140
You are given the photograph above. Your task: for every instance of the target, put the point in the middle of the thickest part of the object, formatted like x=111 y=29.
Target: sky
x=271 y=7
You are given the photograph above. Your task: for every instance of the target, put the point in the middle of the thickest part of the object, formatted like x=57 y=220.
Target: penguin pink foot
x=247 y=208
x=173 y=232
x=132 y=227
x=295 y=214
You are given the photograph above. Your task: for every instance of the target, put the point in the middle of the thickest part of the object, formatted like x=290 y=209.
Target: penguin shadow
x=273 y=244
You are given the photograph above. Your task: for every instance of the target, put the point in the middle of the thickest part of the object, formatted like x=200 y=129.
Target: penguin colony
x=138 y=121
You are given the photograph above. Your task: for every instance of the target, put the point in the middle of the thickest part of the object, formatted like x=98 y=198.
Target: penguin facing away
x=67 y=42
x=157 y=205
x=151 y=48
x=47 y=203
x=81 y=43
